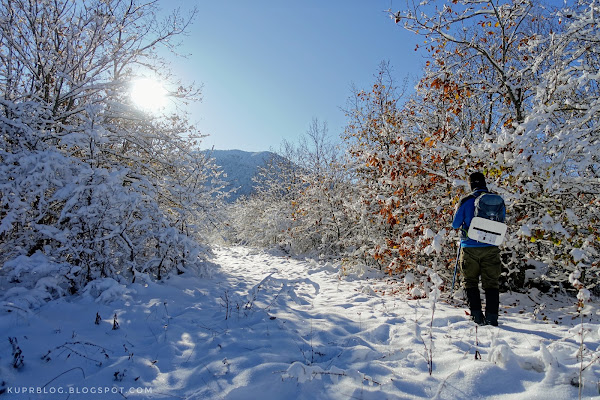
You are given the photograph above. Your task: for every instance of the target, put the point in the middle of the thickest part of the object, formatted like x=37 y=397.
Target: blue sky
x=268 y=67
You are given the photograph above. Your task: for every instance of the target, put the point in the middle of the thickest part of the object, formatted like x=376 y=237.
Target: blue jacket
x=463 y=216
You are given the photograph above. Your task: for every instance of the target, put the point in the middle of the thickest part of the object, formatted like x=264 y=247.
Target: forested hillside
x=239 y=169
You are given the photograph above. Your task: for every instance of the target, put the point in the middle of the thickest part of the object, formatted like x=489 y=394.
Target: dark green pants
x=481 y=261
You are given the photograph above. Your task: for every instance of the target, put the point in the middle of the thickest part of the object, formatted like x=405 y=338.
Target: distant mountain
x=240 y=167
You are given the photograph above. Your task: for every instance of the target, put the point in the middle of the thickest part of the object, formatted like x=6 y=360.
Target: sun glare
x=148 y=94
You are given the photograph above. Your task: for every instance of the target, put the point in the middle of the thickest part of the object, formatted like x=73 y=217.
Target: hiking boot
x=478 y=318
x=474 y=302
x=492 y=303
x=491 y=319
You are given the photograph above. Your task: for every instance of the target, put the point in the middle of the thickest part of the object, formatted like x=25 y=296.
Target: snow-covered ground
x=266 y=326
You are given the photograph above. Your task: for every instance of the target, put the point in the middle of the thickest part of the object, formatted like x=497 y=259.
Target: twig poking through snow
x=63 y=373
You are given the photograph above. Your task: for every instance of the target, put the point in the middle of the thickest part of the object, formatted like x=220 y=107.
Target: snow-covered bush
x=405 y=160
x=510 y=89
x=266 y=217
x=37 y=279
x=89 y=182
x=551 y=158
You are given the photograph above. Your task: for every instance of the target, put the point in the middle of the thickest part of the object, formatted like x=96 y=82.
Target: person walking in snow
x=478 y=260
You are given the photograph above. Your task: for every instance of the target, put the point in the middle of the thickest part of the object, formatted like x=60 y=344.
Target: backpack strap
x=473 y=195
x=464 y=199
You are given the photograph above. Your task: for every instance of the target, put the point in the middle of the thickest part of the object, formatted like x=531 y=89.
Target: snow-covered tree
x=483 y=46
x=404 y=166
x=518 y=84
x=90 y=181
x=325 y=222
x=554 y=152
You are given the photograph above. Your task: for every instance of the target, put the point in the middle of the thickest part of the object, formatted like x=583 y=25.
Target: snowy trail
x=272 y=327
x=376 y=344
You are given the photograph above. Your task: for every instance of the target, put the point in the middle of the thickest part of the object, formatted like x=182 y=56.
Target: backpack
x=487 y=225
x=490 y=206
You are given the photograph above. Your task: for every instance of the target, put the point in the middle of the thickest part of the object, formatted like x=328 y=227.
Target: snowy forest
x=100 y=198
x=510 y=89
x=96 y=188
x=90 y=184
